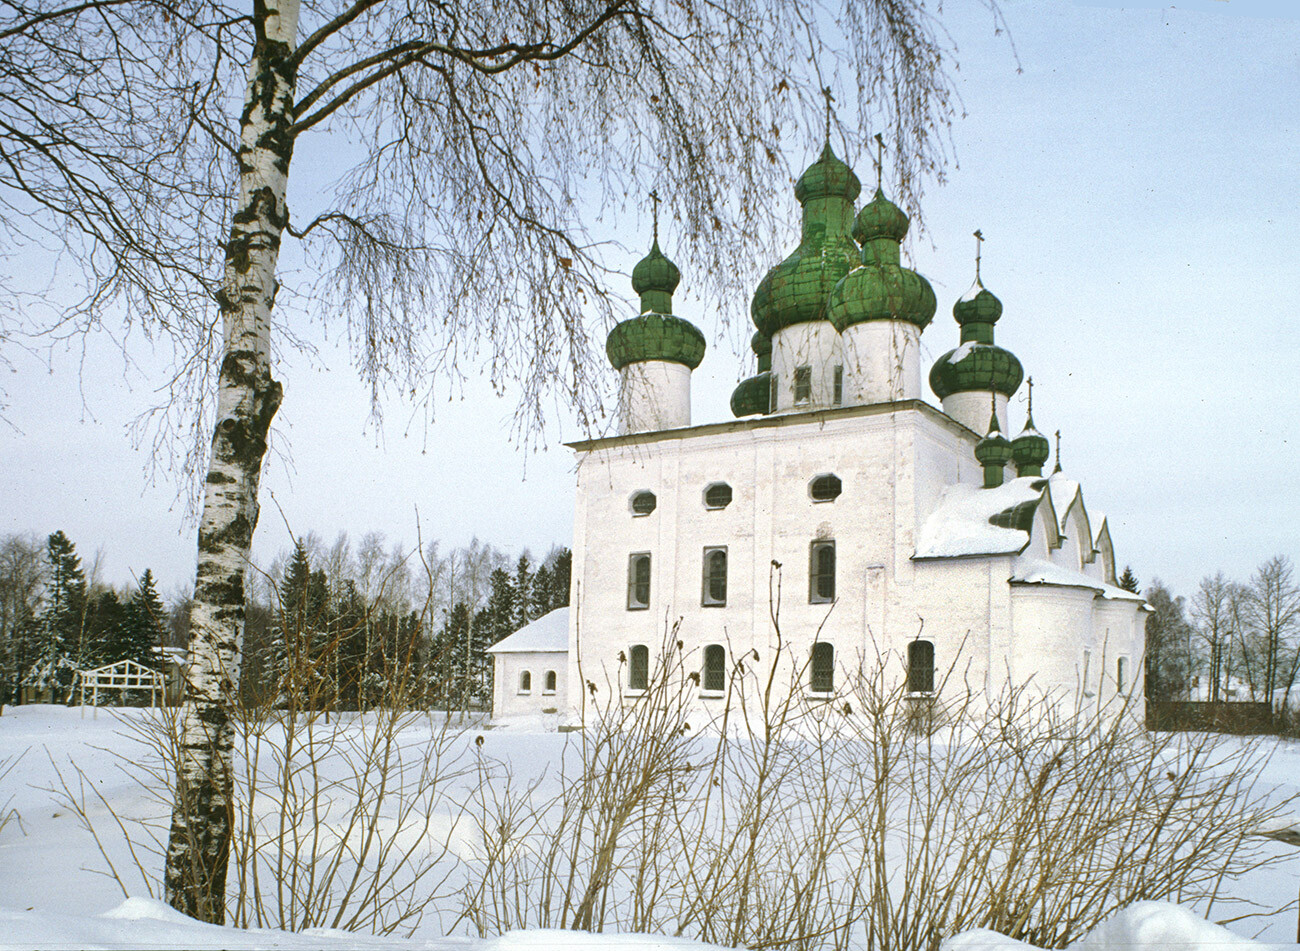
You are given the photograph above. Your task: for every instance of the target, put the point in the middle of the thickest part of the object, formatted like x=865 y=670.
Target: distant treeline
x=338 y=626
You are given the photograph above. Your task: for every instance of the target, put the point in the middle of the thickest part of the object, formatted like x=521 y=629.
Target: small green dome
x=762 y=347
x=655 y=278
x=1030 y=450
x=975 y=367
x=752 y=396
x=977 y=305
x=880 y=218
x=795 y=291
x=655 y=337
x=827 y=177
x=880 y=288
x=994 y=449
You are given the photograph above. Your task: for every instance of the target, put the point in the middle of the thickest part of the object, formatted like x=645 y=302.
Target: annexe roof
x=1027 y=571
x=971 y=520
x=549 y=634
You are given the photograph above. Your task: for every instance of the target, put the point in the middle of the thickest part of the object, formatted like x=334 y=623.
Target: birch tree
x=149 y=144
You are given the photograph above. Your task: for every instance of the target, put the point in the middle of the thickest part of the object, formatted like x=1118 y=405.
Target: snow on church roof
x=973 y=520
x=1025 y=570
x=548 y=634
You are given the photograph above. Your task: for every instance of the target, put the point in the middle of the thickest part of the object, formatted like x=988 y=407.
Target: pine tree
x=1128 y=581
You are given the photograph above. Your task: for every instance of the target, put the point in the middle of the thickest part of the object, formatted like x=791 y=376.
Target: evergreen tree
x=500 y=617
x=146 y=626
x=523 y=591
x=61 y=647
x=1128 y=581
x=561 y=577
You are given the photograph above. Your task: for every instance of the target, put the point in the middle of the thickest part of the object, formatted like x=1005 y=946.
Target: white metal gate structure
x=121 y=676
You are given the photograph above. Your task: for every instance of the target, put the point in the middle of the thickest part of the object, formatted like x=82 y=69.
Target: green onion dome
x=1029 y=450
x=655 y=337
x=880 y=288
x=976 y=367
x=977 y=306
x=752 y=396
x=994 y=449
x=655 y=334
x=762 y=347
x=795 y=291
x=655 y=278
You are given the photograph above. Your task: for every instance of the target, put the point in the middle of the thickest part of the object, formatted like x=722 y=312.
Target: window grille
x=715 y=673
x=821 y=573
x=825 y=488
x=715 y=577
x=802 y=384
x=717 y=496
x=638 y=582
x=838 y=396
x=638 y=668
x=643 y=503
x=920 y=667
x=822 y=673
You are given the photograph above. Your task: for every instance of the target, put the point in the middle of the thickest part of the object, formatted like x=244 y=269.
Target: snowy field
x=56 y=891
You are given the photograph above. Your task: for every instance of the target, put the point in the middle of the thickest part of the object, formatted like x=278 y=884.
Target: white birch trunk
x=199 y=846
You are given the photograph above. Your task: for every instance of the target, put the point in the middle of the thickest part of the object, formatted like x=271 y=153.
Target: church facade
x=840 y=518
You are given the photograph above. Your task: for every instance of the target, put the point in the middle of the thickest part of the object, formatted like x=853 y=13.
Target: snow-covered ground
x=55 y=893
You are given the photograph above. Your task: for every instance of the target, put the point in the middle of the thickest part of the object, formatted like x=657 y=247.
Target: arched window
x=717 y=496
x=821 y=573
x=920 y=667
x=643 y=502
x=525 y=682
x=822 y=669
x=638 y=668
x=550 y=681
x=638 y=582
x=715 y=577
x=715 y=668
x=825 y=488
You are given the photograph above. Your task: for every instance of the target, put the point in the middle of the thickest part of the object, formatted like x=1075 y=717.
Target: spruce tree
x=1128 y=581
x=523 y=591
x=61 y=647
x=561 y=577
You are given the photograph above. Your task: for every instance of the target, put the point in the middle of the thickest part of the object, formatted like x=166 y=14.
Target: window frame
x=1121 y=675
x=718 y=651
x=802 y=378
x=525 y=683
x=550 y=683
x=837 y=385
x=632 y=652
x=641 y=493
x=711 y=506
x=824 y=672
x=920 y=646
x=773 y=381
x=817 y=572
x=706 y=595
x=633 y=603
x=812 y=483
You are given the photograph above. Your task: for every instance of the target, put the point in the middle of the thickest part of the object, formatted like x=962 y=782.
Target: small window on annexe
x=715 y=577
x=920 y=667
x=1121 y=674
x=638 y=668
x=550 y=682
x=638 y=582
x=715 y=672
x=821 y=677
x=821 y=573
x=525 y=682
x=825 y=488
x=717 y=496
x=802 y=385
x=643 y=503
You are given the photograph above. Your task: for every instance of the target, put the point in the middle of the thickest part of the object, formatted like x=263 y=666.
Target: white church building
x=869 y=522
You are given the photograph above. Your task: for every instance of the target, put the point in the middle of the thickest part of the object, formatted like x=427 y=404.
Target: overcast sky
x=1138 y=184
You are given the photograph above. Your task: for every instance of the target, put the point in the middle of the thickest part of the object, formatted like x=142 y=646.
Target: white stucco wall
x=654 y=395
x=882 y=362
x=814 y=344
x=508 y=699
x=972 y=411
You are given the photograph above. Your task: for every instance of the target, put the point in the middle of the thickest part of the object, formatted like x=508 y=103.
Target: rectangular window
x=822 y=675
x=802 y=384
x=715 y=668
x=1121 y=674
x=1087 y=671
x=920 y=667
x=638 y=668
x=638 y=581
x=838 y=396
x=771 y=393
x=715 y=578
x=821 y=573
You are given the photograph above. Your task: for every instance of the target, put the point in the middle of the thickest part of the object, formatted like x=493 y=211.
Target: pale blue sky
x=1139 y=188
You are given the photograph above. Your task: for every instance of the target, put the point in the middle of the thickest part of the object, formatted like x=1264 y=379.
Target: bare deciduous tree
x=149 y=143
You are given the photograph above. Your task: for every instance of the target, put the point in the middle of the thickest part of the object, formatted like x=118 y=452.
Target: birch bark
x=199 y=845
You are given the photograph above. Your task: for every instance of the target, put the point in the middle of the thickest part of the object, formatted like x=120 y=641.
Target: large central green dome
x=796 y=290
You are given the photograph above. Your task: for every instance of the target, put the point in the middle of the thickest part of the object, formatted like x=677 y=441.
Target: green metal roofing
x=994 y=449
x=975 y=367
x=752 y=396
x=977 y=305
x=1029 y=450
x=762 y=347
x=880 y=288
x=655 y=278
x=655 y=337
x=795 y=291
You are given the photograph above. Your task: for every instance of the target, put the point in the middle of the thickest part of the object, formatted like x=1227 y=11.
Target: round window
x=825 y=488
